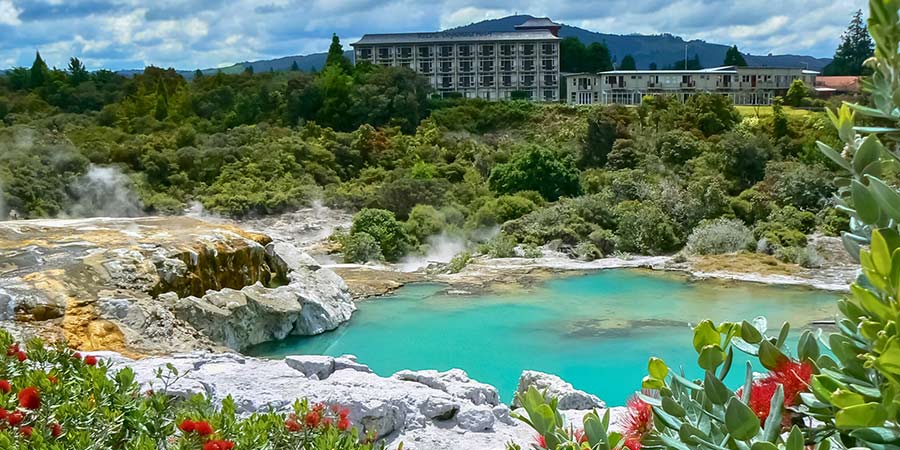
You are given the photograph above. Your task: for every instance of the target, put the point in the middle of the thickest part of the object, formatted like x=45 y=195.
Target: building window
x=548 y=49
x=487 y=50
x=446 y=66
x=506 y=80
x=548 y=64
x=365 y=53
x=405 y=52
x=465 y=51
x=487 y=66
x=507 y=49
x=425 y=67
x=528 y=65
x=447 y=82
x=384 y=53
x=549 y=80
x=549 y=94
x=528 y=49
x=487 y=81
x=528 y=80
x=507 y=66
x=465 y=66
x=446 y=51
x=425 y=52
x=465 y=82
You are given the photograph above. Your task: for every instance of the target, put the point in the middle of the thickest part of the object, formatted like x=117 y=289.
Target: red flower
x=3 y=414
x=21 y=356
x=90 y=360
x=12 y=349
x=637 y=422
x=15 y=418
x=794 y=376
x=343 y=424
x=203 y=428
x=292 y=425
x=218 y=445
x=55 y=430
x=344 y=412
x=30 y=398
x=76 y=355
x=5 y=387
x=186 y=425
x=326 y=423
x=312 y=419
x=319 y=408
x=26 y=431
x=580 y=436
x=541 y=442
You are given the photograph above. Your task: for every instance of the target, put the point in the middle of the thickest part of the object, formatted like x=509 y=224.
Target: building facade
x=493 y=66
x=744 y=85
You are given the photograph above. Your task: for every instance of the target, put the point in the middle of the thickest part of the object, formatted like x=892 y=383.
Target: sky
x=130 y=34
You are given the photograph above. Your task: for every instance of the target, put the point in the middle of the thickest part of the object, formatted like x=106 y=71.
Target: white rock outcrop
x=426 y=410
x=554 y=386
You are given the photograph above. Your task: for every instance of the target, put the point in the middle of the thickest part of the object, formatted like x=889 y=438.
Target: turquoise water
x=596 y=331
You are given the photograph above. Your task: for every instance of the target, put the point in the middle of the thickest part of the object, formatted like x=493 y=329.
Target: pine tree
x=295 y=67
x=628 y=63
x=77 y=72
x=336 y=55
x=856 y=46
x=198 y=74
x=38 y=73
x=248 y=70
x=162 y=101
x=733 y=57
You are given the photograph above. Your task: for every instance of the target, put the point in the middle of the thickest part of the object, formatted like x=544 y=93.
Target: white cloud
x=9 y=14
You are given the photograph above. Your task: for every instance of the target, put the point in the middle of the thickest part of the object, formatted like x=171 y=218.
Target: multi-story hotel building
x=745 y=85
x=492 y=66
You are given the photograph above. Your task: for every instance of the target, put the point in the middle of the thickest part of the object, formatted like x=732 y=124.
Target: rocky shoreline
x=425 y=410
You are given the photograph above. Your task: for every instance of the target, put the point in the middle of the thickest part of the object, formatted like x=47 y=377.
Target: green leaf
x=657 y=368
x=868 y=152
x=795 y=439
x=595 y=431
x=772 y=428
x=889 y=360
x=672 y=407
x=715 y=390
x=740 y=421
x=871 y=303
x=878 y=435
x=858 y=416
x=833 y=155
x=887 y=197
x=711 y=357
x=844 y=399
x=881 y=253
x=769 y=355
x=763 y=445
x=783 y=335
x=749 y=333
x=864 y=202
x=808 y=346
x=705 y=334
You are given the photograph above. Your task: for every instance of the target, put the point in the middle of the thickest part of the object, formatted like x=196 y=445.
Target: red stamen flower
x=186 y=426
x=638 y=421
x=30 y=398
x=5 y=387
x=26 y=431
x=15 y=418
x=12 y=349
x=312 y=419
x=344 y=412
x=203 y=428
x=343 y=424
x=3 y=414
x=218 y=445
x=541 y=442
x=292 y=425
x=90 y=360
x=55 y=430
x=76 y=355
x=580 y=436
x=21 y=356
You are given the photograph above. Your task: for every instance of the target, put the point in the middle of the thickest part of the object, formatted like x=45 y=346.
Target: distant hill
x=662 y=49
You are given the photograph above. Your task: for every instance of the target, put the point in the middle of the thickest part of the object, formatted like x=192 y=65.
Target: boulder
x=554 y=386
x=477 y=418
x=455 y=382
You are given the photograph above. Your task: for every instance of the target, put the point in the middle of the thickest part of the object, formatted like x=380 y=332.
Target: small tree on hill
x=295 y=67
x=628 y=63
x=856 y=46
x=77 y=72
x=733 y=57
x=39 y=72
x=796 y=93
x=336 y=56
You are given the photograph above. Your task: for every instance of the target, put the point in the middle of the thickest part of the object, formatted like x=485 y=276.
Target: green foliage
x=575 y=57
x=533 y=168
x=733 y=57
x=424 y=221
x=384 y=228
x=500 y=246
x=719 y=236
x=852 y=52
x=80 y=403
x=797 y=93
x=360 y=248
x=459 y=262
x=627 y=63
x=336 y=56
x=644 y=228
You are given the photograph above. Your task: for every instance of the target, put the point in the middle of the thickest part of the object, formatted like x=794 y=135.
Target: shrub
x=500 y=246
x=360 y=248
x=384 y=227
x=803 y=256
x=719 y=236
x=459 y=262
x=604 y=240
x=587 y=251
x=531 y=251
x=534 y=168
x=424 y=221
x=52 y=398
x=832 y=222
x=779 y=235
x=644 y=228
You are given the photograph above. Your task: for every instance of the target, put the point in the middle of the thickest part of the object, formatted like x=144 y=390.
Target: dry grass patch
x=744 y=263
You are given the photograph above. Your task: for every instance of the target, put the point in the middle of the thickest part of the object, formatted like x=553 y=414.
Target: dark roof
x=539 y=22
x=415 y=38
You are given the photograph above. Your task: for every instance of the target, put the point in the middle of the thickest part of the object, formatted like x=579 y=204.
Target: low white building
x=744 y=85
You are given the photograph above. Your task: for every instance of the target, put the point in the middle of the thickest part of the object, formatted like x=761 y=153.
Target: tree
x=249 y=70
x=628 y=63
x=691 y=64
x=336 y=56
x=295 y=67
x=599 y=59
x=576 y=57
x=198 y=74
x=535 y=168
x=39 y=72
x=856 y=46
x=779 y=118
x=162 y=101
x=733 y=57
x=796 y=93
x=384 y=227
x=77 y=73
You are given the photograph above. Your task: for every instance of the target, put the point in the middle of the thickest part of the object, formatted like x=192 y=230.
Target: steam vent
x=154 y=285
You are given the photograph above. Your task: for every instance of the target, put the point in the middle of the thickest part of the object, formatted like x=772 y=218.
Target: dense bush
x=644 y=228
x=53 y=398
x=384 y=228
x=719 y=236
x=360 y=248
x=533 y=168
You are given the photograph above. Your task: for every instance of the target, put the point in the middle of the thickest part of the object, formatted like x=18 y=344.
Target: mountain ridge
x=662 y=49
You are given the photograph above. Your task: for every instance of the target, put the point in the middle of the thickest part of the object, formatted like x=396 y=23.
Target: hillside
x=662 y=49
